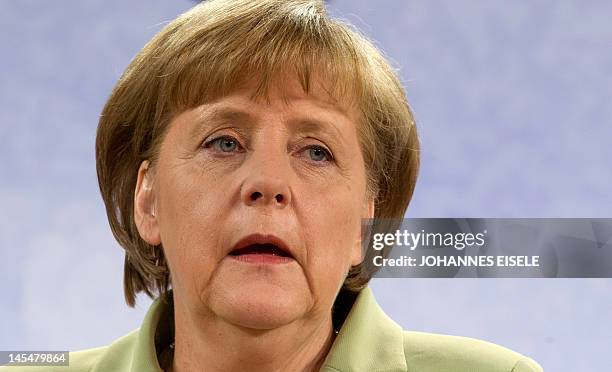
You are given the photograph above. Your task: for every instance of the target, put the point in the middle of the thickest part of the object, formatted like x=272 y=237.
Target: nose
x=265 y=186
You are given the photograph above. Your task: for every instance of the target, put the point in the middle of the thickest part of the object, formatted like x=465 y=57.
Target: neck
x=222 y=346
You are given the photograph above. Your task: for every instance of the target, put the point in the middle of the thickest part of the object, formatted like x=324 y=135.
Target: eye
x=223 y=144
x=318 y=153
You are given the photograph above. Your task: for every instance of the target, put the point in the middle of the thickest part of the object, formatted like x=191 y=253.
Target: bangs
x=210 y=58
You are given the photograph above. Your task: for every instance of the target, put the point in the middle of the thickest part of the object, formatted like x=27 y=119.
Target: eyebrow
x=228 y=113
x=313 y=125
x=219 y=115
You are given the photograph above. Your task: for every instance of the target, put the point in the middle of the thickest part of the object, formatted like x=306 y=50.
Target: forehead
x=288 y=89
x=315 y=112
x=300 y=111
x=305 y=110
x=312 y=105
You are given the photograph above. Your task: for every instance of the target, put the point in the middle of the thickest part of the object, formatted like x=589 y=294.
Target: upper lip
x=262 y=239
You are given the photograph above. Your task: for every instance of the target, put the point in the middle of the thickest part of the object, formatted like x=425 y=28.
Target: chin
x=260 y=305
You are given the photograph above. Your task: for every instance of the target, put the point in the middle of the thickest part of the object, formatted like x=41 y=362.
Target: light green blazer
x=369 y=341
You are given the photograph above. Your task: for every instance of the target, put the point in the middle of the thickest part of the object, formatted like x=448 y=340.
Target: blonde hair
x=210 y=51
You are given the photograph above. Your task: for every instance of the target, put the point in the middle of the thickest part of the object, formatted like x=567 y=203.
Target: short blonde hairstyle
x=210 y=51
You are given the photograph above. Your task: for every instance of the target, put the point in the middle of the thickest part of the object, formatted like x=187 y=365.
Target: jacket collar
x=145 y=356
x=368 y=340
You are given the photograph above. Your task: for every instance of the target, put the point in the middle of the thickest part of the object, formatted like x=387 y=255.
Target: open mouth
x=262 y=249
x=265 y=248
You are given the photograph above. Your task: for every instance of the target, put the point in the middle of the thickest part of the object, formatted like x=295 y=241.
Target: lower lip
x=262 y=258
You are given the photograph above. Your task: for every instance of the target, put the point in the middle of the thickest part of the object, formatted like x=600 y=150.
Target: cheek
x=192 y=197
x=331 y=225
x=190 y=206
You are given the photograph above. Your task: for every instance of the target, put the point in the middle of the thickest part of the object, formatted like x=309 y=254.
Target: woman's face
x=290 y=169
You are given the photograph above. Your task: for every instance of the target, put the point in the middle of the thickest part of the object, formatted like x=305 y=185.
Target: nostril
x=279 y=198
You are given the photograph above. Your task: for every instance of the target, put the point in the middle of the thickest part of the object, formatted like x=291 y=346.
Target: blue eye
x=223 y=144
x=318 y=154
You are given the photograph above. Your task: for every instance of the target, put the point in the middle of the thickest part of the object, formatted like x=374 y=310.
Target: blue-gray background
x=513 y=104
